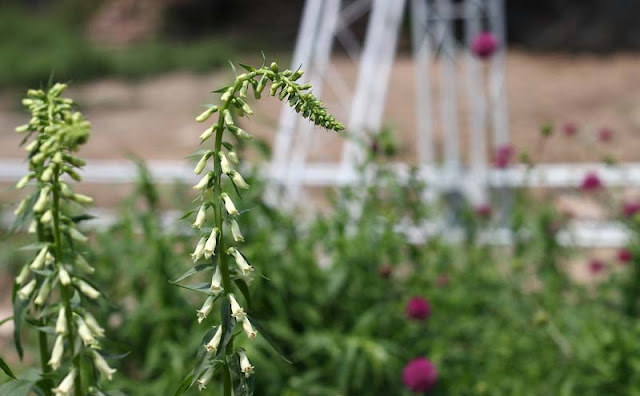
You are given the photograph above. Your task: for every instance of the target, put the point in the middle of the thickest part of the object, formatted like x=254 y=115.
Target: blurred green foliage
x=37 y=46
x=504 y=321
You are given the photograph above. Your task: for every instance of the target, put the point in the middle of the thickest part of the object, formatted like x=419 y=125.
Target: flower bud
x=102 y=365
x=203 y=312
x=240 y=133
x=236 y=310
x=201 y=217
x=228 y=204
x=77 y=235
x=31 y=146
x=296 y=75
x=248 y=329
x=86 y=289
x=205 y=378
x=274 y=67
x=214 y=343
x=199 y=251
x=245 y=365
x=225 y=164
x=228 y=119
x=202 y=163
x=206 y=114
x=26 y=290
x=207 y=133
x=210 y=245
x=82 y=199
x=23 y=181
x=243 y=89
x=22 y=276
x=61 y=323
x=56 y=353
x=46 y=217
x=83 y=265
x=226 y=95
x=241 y=262
x=93 y=325
x=43 y=293
x=66 y=386
x=39 y=261
x=64 y=277
x=46 y=175
x=33 y=227
x=22 y=128
x=21 y=207
x=257 y=92
x=216 y=281
x=235 y=231
x=43 y=198
x=203 y=183
x=85 y=333
x=233 y=157
x=239 y=182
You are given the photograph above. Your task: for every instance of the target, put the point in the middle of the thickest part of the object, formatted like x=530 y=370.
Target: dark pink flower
x=596 y=266
x=591 y=182
x=419 y=375
x=483 y=210
x=418 y=308
x=484 y=45
x=631 y=208
x=502 y=156
x=624 y=255
x=605 y=134
x=570 y=129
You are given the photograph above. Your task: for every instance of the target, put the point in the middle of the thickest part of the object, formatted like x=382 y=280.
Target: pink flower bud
x=419 y=375
x=418 y=308
x=591 y=182
x=484 y=45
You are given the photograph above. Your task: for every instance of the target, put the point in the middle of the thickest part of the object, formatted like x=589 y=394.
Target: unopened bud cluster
x=57 y=271
x=216 y=216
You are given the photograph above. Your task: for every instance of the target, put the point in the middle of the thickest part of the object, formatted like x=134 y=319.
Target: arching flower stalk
x=218 y=249
x=52 y=288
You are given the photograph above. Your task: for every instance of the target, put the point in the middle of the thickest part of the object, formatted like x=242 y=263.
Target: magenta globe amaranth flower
x=419 y=375
x=596 y=267
x=624 y=255
x=418 y=308
x=570 y=129
x=591 y=182
x=484 y=45
x=605 y=135
x=631 y=208
x=502 y=156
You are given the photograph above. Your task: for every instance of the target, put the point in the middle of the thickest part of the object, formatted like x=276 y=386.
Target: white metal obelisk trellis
x=433 y=37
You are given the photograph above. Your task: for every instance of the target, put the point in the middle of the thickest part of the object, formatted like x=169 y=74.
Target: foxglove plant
x=51 y=291
x=218 y=248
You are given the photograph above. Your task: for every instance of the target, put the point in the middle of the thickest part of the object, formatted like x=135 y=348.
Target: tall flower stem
x=43 y=343
x=65 y=292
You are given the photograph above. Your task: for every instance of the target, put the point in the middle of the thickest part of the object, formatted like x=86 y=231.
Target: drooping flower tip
x=596 y=267
x=419 y=375
x=502 y=156
x=624 y=255
x=591 y=182
x=570 y=129
x=484 y=45
x=418 y=308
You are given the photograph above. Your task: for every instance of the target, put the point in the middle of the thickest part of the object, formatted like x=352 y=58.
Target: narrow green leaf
x=220 y=90
x=82 y=217
x=184 y=385
x=16 y=388
x=19 y=307
x=244 y=289
x=5 y=367
x=194 y=270
x=199 y=287
x=247 y=67
x=263 y=332
x=187 y=214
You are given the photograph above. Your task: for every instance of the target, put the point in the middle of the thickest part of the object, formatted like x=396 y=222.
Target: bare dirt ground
x=153 y=118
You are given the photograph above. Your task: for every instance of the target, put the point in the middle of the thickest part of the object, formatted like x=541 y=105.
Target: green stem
x=226 y=376
x=42 y=339
x=65 y=291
